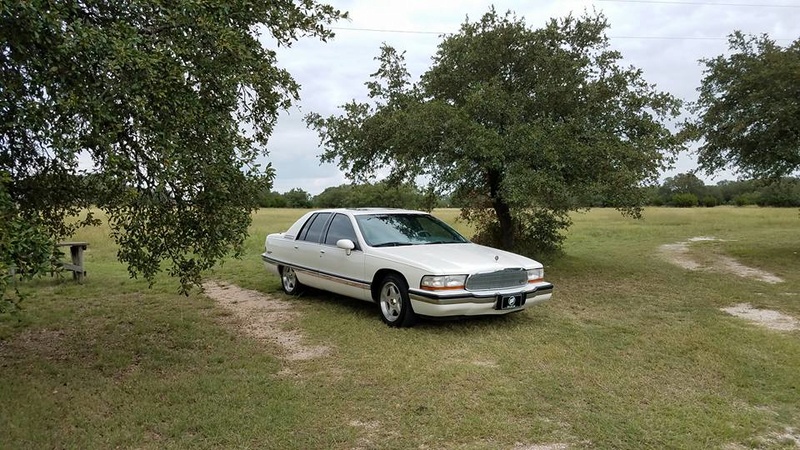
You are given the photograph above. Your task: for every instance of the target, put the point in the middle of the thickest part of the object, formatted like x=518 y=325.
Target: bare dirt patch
x=371 y=432
x=479 y=362
x=44 y=343
x=485 y=363
x=789 y=437
x=679 y=254
x=764 y=317
x=265 y=317
x=553 y=446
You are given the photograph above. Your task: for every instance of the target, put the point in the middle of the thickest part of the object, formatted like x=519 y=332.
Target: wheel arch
x=279 y=268
x=292 y=288
x=375 y=285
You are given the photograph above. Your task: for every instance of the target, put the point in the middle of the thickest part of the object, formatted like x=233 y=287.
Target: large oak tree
x=748 y=111
x=170 y=103
x=521 y=123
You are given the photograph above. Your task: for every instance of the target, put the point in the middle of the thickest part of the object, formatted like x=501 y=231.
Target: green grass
x=631 y=352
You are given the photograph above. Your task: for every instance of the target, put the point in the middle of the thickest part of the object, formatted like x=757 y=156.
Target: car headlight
x=535 y=275
x=439 y=282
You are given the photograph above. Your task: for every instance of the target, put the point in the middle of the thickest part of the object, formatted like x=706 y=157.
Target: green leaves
x=519 y=123
x=25 y=248
x=171 y=104
x=748 y=111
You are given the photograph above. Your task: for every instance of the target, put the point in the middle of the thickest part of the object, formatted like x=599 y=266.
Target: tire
x=291 y=285
x=395 y=306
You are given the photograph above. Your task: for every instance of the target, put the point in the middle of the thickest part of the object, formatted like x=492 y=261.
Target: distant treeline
x=683 y=190
x=686 y=190
x=380 y=194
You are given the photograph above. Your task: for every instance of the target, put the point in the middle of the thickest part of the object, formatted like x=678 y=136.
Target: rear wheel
x=396 y=308
x=291 y=285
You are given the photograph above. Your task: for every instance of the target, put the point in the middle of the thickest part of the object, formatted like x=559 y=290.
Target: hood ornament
x=496 y=258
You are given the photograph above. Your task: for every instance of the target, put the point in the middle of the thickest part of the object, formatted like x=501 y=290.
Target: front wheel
x=291 y=285
x=396 y=308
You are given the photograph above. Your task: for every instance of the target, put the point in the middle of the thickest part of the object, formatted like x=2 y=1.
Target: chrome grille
x=501 y=279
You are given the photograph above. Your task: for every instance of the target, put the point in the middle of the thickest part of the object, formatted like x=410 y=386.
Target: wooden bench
x=76 y=252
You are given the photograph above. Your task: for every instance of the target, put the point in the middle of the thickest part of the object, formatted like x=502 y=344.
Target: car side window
x=304 y=230
x=341 y=228
x=312 y=231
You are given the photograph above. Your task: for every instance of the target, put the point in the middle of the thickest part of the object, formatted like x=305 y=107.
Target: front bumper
x=466 y=303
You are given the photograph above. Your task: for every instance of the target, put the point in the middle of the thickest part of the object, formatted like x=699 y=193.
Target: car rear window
x=312 y=230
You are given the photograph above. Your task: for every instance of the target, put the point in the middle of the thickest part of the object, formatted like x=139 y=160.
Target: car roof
x=295 y=228
x=364 y=211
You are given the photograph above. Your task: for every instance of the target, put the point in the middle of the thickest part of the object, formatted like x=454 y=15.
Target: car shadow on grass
x=370 y=311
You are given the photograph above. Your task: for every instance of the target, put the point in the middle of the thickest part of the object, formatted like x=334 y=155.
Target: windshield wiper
x=391 y=244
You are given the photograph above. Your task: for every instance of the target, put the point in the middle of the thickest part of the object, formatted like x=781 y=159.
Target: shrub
x=709 y=201
x=784 y=193
x=684 y=200
x=538 y=232
x=746 y=199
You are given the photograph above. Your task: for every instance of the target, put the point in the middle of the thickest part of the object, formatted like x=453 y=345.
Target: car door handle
x=321 y=252
x=296 y=247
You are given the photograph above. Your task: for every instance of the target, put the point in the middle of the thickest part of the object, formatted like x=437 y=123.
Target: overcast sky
x=663 y=38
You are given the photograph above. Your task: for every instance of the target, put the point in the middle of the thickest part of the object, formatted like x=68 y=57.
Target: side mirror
x=346 y=244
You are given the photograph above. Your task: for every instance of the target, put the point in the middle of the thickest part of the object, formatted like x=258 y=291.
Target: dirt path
x=265 y=317
x=679 y=254
x=764 y=317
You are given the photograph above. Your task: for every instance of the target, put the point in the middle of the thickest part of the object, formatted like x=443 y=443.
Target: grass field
x=631 y=352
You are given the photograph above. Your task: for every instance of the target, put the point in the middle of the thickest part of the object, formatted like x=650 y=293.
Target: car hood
x=455 y=258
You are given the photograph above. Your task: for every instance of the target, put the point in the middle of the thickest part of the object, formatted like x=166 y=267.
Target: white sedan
x=409 y=262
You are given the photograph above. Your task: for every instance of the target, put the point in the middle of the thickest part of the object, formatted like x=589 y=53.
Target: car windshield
x=389 y=230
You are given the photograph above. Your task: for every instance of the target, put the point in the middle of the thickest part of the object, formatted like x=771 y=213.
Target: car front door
x=345 y=268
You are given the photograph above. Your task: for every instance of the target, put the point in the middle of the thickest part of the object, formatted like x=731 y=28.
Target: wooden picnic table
x=76 y=252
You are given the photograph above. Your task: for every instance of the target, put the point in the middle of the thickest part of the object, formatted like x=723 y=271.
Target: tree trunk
x=502 y=210
x=506 y=225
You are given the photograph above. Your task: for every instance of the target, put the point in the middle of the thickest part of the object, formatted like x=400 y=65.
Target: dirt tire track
x=764 y=317
x=265 y=317
x=678 y=254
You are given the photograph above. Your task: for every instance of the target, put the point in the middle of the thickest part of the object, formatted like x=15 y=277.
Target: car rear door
x=307 y=248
